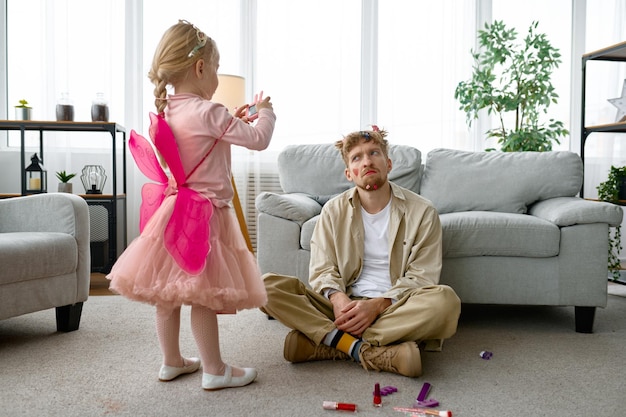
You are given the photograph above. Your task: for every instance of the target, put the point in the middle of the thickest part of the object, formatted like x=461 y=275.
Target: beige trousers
x=426 y=314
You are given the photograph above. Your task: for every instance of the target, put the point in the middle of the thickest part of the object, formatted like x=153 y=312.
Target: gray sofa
x=45 y=258
x=514 y=231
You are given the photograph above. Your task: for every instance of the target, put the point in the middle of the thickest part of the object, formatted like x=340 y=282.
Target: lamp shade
x=93 y=179
x=231 y=91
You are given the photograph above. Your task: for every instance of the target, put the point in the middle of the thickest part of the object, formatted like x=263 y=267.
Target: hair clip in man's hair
x=365 y=134
x=375 y=128
x=201 y=36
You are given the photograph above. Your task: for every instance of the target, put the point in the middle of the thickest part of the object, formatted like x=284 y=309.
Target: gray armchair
x=45 y=256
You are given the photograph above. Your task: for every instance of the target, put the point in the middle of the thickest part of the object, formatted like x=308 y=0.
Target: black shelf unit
x=103 y=254
x=615 y=53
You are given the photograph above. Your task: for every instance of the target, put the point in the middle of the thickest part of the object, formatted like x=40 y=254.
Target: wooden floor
x=99 y=285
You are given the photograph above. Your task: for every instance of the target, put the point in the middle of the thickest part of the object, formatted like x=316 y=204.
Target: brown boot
x=299 y=348
x=403 y=359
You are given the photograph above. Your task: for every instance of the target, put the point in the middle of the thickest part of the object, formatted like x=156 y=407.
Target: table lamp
x=231 y=91
x=93 y=179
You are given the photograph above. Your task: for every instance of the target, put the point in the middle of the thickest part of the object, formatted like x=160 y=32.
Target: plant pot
x=65 y=187
x=23 y=113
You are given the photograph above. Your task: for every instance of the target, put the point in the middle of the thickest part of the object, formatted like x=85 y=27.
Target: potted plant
x=613 y=190
x=65 y=186
x=513 y=79
x=23 y=110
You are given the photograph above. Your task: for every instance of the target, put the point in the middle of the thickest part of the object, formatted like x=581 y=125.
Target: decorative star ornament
x=620 y=103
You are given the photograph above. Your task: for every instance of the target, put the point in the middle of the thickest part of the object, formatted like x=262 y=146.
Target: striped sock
x=344 y=342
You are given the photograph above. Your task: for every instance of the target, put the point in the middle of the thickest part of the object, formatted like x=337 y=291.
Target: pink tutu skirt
x=231 y=281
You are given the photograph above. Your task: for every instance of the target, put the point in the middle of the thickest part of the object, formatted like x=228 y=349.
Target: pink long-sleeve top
x=197 y=123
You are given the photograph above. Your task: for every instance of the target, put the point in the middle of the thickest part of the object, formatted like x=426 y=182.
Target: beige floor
x=99 y=285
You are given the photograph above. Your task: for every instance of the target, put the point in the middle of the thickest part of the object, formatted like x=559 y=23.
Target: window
x=423 y=53
x=66 y=47
x=55 y=47
x=308 y=60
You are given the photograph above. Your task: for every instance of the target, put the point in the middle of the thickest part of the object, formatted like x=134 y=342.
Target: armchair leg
x=584 y=317
x=68 y=317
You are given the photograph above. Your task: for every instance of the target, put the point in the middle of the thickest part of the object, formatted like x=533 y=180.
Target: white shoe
x=213 y=382
x=167 y=373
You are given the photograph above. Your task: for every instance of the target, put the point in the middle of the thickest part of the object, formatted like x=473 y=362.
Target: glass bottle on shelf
x=65 y=109
x=99 y=109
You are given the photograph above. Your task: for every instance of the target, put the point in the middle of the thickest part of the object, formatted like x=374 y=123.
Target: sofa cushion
x=498 y=181
x=480 y=233
x=318 y=170
x=33 y=255
x=296 y=207
x=485 y=234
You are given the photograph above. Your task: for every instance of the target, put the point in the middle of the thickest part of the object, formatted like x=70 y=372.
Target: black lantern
x=93 y=179
x=36 y=176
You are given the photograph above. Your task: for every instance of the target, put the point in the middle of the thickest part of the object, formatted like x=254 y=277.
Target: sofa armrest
x=297 y=207
x=49 y=212
x=56 y=213
x=567 y=211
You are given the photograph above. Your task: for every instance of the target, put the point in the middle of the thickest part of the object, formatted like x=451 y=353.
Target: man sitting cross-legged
x=374 y=273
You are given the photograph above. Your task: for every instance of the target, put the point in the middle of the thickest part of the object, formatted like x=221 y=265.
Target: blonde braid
x=160 y=93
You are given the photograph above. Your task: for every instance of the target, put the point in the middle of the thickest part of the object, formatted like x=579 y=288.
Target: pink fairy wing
x=146 y=160
x=144 y=157
x=187 y=233
x=186 y=236
x=165 y=142
x=152 y=196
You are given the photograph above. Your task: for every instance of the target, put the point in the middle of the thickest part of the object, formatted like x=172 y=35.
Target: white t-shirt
x=375 y=279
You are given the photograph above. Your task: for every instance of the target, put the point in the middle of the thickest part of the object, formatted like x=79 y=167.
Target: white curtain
x=65 y=46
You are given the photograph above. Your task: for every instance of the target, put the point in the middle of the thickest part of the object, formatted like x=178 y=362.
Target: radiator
x=255 y=184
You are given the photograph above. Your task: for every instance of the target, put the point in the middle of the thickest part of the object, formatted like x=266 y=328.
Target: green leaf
x=64 y=177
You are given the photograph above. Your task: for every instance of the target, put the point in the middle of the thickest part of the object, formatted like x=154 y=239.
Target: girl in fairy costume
x=191 y=250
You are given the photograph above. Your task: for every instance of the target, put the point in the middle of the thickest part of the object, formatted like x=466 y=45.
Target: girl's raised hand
x=265 y=104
